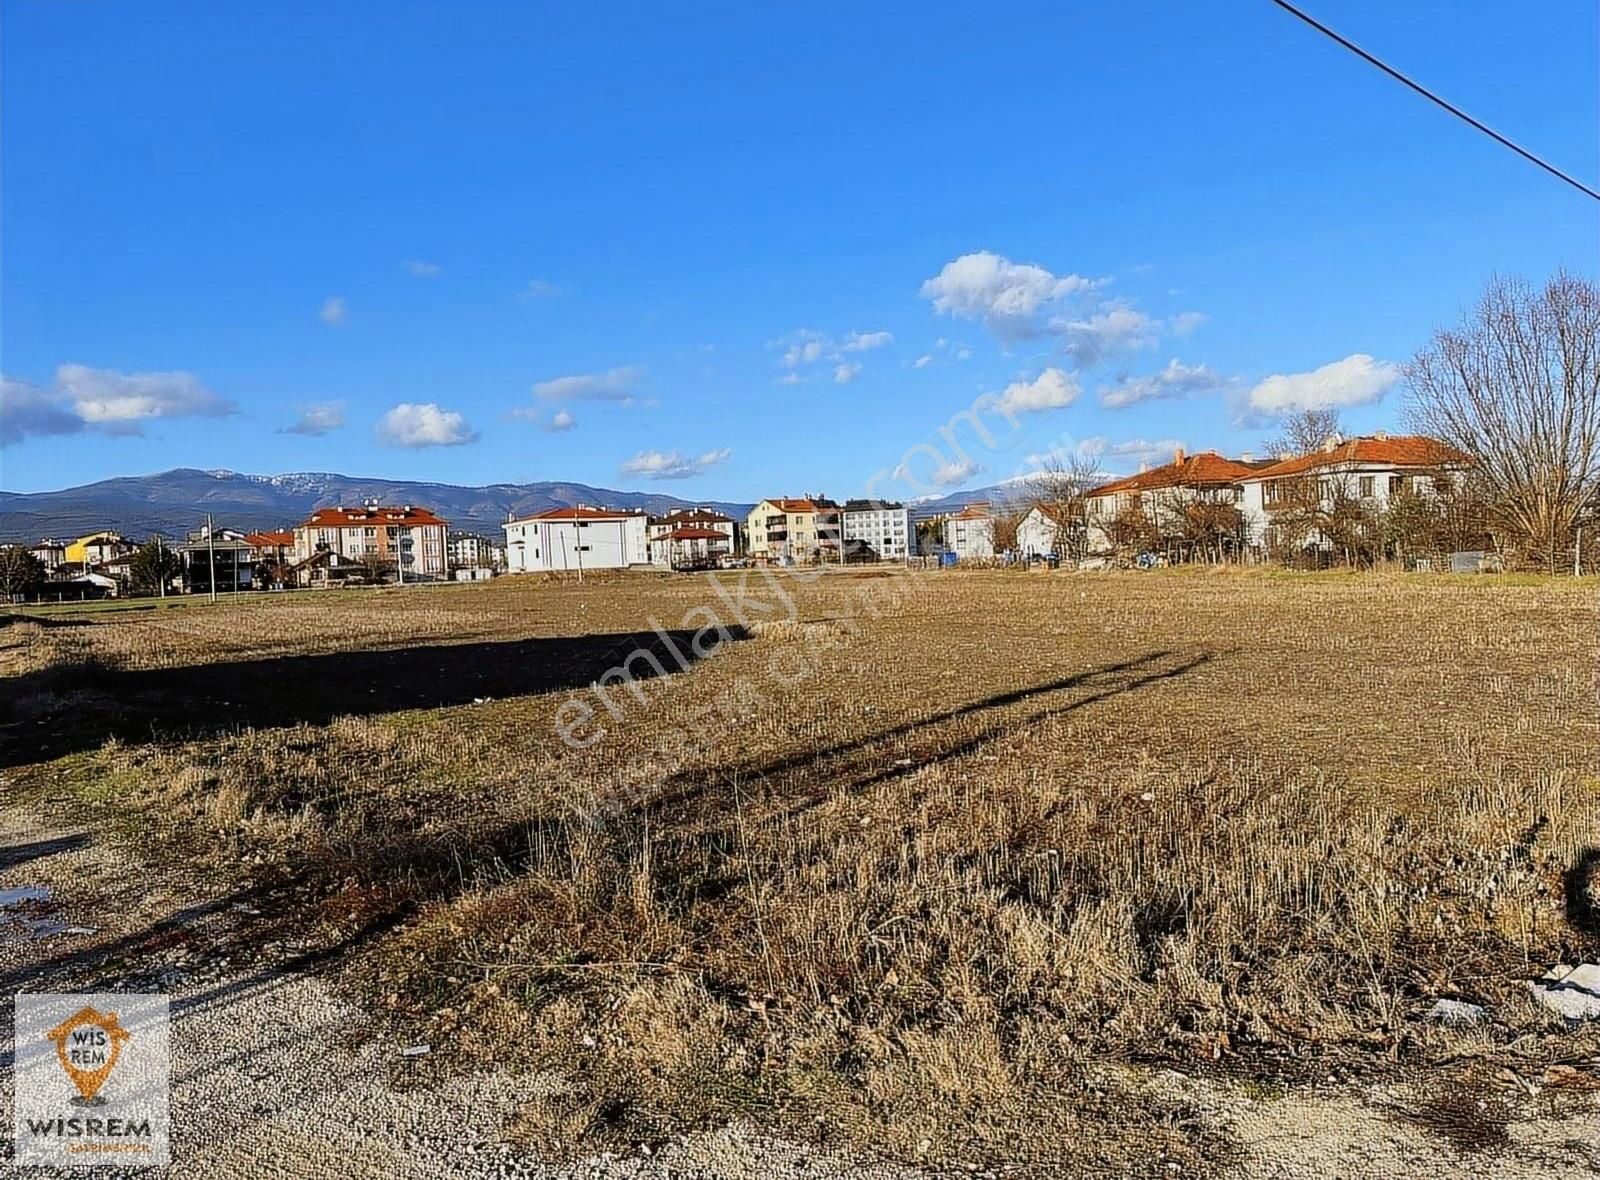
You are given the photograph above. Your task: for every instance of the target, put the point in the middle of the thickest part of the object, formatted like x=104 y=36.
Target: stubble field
x=934 y=863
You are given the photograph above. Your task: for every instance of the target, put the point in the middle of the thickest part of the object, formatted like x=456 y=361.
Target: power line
x=1434 y=98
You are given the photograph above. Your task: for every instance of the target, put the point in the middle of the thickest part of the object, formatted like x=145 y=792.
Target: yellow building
x=805 y=529
x=96 y=548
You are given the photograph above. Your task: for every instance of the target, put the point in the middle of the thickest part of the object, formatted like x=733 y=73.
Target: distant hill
x=175 y=502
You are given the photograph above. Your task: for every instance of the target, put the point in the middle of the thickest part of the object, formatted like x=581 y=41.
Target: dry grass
x=905 y=867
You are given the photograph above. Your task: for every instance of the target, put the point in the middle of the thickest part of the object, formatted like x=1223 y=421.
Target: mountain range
x=176 y=502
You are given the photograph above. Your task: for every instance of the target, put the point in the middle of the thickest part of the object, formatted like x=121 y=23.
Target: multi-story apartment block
x=801 y=529
x=409 y=538
x=474 y=552
x=885 y=528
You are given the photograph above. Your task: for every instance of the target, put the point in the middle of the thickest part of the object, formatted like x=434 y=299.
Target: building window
x=1368 y=486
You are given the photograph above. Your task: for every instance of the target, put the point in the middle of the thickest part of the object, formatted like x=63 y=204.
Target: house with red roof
x=1160 y=494
x=969 y=534
x=702 y=518
x=404 y=538
x=1370 y=471
x=575 y=539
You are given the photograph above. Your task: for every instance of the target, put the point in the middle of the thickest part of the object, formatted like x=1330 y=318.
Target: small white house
x=969 y=534
x=885 y=528
x=580 y=538
x=1038 y=533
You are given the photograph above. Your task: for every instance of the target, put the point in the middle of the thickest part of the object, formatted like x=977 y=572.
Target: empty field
x=933 y=863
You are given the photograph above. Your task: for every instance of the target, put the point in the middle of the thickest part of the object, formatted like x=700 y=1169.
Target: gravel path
x=275 y=1075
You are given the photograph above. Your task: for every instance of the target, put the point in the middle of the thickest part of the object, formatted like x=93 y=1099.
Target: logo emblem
x=88 y=1045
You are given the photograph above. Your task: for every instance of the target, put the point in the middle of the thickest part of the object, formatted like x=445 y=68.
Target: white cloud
x=672 y=465
x=613 y=385
x=923 y=361
x=1185 y=322
x=317 y=420
x=1175 y=380
x=1354 y=381
x=26 y=411
x=945 y=474
x=866 y=341
x=424 y=425
x=1161 y=450
x=963 y=354
x=1050 y=390
x=539 y=289
x=118 y=402
x=805 y=351
x=791 y=379
x=1007 y=297
x=423 y=270
x=1109 y=332
x=845 y=373
x=561 y=420
x=104 y=400
x=334 y=313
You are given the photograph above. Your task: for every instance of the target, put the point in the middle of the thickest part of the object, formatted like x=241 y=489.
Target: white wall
x=887 y=530
x=562 y=545
x=970 y=538
x=1036 y=535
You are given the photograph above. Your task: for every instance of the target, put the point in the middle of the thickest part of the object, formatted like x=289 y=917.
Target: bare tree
x=1303 y=432
x=1061 y=491
x=20 y=572
x=1517 y=387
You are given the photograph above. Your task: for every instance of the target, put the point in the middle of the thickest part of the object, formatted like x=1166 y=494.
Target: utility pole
x=211 y=555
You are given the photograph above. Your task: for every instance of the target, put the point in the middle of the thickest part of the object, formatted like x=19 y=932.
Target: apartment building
x=1160 y=494
x=885 y=528
x=472 y=551
x=800 y=529
x=410 y=539
x=702 y=519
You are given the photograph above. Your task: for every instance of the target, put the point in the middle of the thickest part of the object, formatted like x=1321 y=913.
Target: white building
x=473 y=552
x=1160 y=495
x=579 y=538
x=1370 y=470
x=969 y=534
x=885 y=528
x=690 y=547
x=702 y=518
x=1038 y=533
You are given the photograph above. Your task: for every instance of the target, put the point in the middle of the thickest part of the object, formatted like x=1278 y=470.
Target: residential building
x=1039 y=532
x=50 y=553
x=273 y=547
x=95 y=548
x=226 y=551
x=405 y=538
x=472 y=551
x=696 y=518
x=581 y=538
x=1152 y=503
x=1370 y=470
x=798 y=529
x=691 y=547
x=885 y=528
x=969 y=534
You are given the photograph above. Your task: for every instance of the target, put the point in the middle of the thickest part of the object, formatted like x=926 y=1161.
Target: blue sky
x=707 y=249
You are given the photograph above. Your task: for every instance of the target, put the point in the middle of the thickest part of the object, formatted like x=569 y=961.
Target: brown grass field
x=936 y=865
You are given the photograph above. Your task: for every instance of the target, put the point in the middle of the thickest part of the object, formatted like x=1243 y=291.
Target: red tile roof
x=1406 y=450
x=800 y=505
x=973 y=512
x=383 y=514
x=694 y=534
x=580 y=513
x=272 y=539
x=1206 y=469
x=685 y=516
